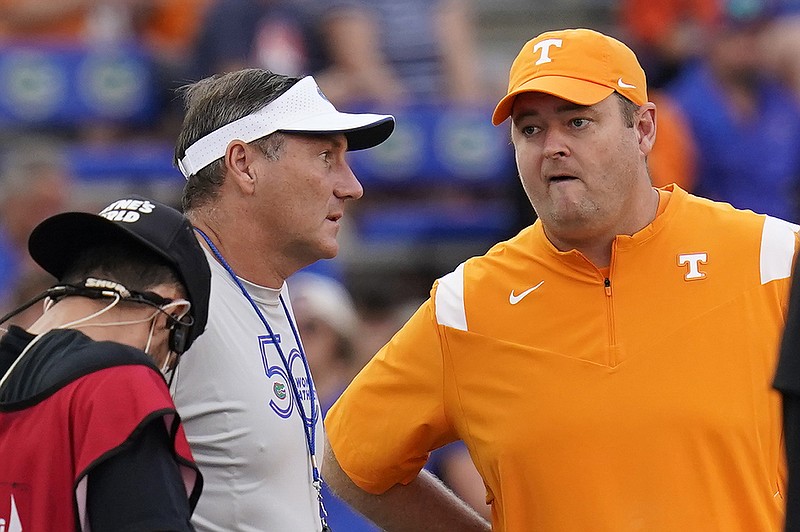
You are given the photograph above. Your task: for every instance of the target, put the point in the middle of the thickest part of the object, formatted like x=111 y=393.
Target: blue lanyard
x=307 y=430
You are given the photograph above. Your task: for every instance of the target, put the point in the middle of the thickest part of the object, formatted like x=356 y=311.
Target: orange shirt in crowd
x=163 y=25
x=674 y=155
x=656 y=23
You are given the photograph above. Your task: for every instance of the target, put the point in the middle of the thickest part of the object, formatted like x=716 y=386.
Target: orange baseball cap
x=579 y=65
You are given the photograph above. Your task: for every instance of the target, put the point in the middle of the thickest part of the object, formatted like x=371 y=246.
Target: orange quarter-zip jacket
x=639 y=400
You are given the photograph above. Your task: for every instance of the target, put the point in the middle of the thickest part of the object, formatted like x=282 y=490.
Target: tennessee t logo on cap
x=579 y=65
x=544 y=48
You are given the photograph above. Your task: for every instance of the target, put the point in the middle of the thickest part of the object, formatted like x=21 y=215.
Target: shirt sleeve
x=140 y=488
x=391 y=416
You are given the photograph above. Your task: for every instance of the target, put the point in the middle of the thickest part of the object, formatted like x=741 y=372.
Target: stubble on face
x=577 y=169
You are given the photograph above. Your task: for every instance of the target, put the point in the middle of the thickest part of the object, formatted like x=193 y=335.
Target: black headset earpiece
x=178 y=335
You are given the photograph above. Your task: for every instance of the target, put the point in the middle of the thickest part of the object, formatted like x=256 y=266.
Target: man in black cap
x=89 y=436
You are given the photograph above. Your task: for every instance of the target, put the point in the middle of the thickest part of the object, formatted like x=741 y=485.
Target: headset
x=101 y=288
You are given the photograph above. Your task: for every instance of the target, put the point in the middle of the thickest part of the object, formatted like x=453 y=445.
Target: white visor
x=301 y=109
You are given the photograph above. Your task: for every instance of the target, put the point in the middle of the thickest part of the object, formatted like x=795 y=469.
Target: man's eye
x=529 y=130
x=579 y=122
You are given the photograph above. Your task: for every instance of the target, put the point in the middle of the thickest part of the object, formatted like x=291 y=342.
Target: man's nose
x=348 y=186
x=555 y=144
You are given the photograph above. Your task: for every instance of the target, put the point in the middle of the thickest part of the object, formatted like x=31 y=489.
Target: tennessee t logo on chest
x=692 y=261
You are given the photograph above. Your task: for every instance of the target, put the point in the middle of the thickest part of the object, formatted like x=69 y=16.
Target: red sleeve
x=110 y=405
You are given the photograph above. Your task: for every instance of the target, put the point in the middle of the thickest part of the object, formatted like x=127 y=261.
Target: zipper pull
x=607 y=284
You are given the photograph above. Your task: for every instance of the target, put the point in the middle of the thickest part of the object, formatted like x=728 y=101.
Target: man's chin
x=329 y=250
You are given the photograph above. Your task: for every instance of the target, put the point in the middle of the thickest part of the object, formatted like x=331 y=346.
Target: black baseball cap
x=58 y=241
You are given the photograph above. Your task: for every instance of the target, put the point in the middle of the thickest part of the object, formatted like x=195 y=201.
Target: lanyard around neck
x=308 y=428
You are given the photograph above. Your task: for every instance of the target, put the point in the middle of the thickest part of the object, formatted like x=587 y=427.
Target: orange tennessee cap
x=580 y=65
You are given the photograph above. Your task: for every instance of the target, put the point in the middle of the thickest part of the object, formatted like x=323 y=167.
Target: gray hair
x=218 y=100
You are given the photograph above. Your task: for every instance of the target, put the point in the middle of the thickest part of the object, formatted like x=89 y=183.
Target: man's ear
x=240 y=159
x=180 y=309
x=646 y=127
x=179 y=306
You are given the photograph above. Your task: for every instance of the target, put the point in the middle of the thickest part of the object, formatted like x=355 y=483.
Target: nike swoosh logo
x=514 y=298
x=624 y=85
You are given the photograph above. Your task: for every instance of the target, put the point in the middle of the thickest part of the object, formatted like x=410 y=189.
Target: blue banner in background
x=437 y=144
x=70 y=86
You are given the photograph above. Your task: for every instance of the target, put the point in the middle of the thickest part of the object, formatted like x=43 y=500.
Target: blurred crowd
x=725 y=75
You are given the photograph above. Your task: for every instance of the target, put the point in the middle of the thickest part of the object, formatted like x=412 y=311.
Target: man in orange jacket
x=609 y=367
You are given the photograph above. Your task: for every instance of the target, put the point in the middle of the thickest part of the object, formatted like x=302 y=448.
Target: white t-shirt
x=241 y=418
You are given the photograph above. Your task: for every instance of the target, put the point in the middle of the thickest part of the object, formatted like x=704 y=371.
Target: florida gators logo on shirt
x=279 y=390
x=283 y=401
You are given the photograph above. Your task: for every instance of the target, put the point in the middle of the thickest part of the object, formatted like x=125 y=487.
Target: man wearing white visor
x=267 y=182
